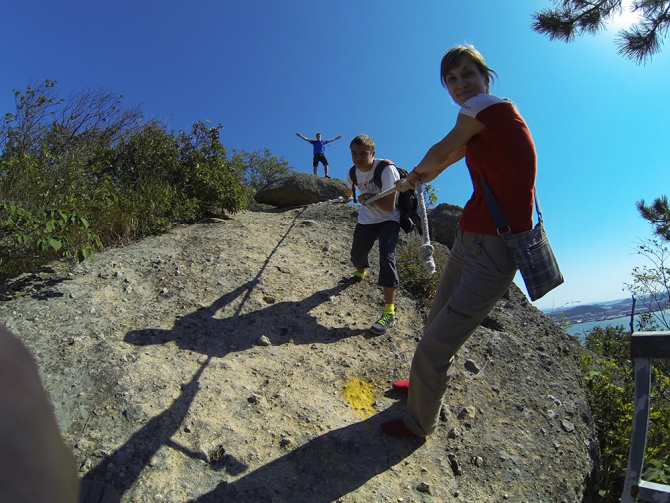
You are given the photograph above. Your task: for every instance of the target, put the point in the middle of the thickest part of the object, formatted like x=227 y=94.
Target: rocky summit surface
x=223 y=362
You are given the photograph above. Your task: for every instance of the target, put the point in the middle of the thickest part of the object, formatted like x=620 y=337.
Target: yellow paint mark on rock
x=360 y=395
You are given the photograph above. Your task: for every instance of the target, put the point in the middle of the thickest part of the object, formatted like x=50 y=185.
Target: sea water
x=579 y=329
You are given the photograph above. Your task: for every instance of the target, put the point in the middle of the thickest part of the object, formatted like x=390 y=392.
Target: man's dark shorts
x=365 y=237
x=319 y=157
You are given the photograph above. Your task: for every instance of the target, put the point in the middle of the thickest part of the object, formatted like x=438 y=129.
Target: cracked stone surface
x=208 y=364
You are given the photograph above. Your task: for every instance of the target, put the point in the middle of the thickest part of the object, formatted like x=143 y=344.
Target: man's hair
x=453 y=56
x=363 y=140
x=318 y=134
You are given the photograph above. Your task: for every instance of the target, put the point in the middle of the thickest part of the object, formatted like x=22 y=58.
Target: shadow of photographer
x=325 y=468
x=124 y=466
x=202 y=332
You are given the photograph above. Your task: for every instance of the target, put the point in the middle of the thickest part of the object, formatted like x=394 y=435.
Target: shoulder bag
x=531 y=249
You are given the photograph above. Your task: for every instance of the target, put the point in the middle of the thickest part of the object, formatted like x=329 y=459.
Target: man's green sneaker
x=383 y=324
x=354 y=277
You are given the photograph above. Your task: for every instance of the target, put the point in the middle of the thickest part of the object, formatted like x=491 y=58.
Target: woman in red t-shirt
x=497 y=147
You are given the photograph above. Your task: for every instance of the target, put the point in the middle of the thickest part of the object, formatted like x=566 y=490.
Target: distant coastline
x=582 y=318
x=579 y=329
x=597 y=312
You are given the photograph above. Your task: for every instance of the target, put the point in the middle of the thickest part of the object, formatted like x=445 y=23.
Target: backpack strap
x=352 y=176
x=377 y=177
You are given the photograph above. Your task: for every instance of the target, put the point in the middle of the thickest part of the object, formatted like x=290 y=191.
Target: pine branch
x=571 y=18
x=642 y=41
x=574 y=17
x=657 y=214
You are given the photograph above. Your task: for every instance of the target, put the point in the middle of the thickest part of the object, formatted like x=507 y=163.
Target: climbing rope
x=426 y=249
x=379 y=196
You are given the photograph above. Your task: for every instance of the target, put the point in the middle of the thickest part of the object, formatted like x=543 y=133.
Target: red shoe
x=397 y=428
x=401 y=386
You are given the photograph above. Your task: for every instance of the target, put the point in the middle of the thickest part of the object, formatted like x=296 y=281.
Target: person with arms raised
x=319 y=151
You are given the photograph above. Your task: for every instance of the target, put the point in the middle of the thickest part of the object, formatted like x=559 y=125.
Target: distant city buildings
x=596 y=312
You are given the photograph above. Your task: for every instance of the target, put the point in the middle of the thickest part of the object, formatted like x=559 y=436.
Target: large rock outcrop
x=300 y=189
x=442 y=222
x=211 y=363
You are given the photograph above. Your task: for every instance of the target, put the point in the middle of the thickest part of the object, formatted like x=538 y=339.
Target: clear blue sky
x=266 y=70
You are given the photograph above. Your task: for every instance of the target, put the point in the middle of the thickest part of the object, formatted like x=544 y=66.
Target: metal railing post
x=643 y=347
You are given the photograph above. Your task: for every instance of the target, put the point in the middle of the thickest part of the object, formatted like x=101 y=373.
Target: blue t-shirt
x=319 y=146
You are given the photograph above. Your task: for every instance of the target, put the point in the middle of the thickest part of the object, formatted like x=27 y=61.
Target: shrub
x=30 y=240
x=414 y=277
x=83 y=172
x=610 y=384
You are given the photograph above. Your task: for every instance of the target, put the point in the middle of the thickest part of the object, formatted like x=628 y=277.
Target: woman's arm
x=453 y=158
x=447 y=151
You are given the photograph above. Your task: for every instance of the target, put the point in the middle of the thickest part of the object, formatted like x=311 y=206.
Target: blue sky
x=266 y=70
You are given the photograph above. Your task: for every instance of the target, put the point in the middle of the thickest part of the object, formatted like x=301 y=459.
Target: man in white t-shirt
x=378 y=221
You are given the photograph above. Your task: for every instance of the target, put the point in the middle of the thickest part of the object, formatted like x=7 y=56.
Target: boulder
x=300 y=189
x=189 y=401
x=443 y=222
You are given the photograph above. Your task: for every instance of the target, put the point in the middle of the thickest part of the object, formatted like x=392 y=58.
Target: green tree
x=83 y=172
x=657 y=214
x=429 y=195
x=610 y=384
x=651 y=285
x=210 y=176
x=571 y=18
x=258 y=169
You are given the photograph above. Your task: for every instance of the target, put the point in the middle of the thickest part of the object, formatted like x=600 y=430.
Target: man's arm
x=386 y=203
x=303 y=137
x=333 y=139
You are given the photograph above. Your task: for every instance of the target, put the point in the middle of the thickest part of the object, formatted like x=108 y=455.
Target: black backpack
x=407 y=202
